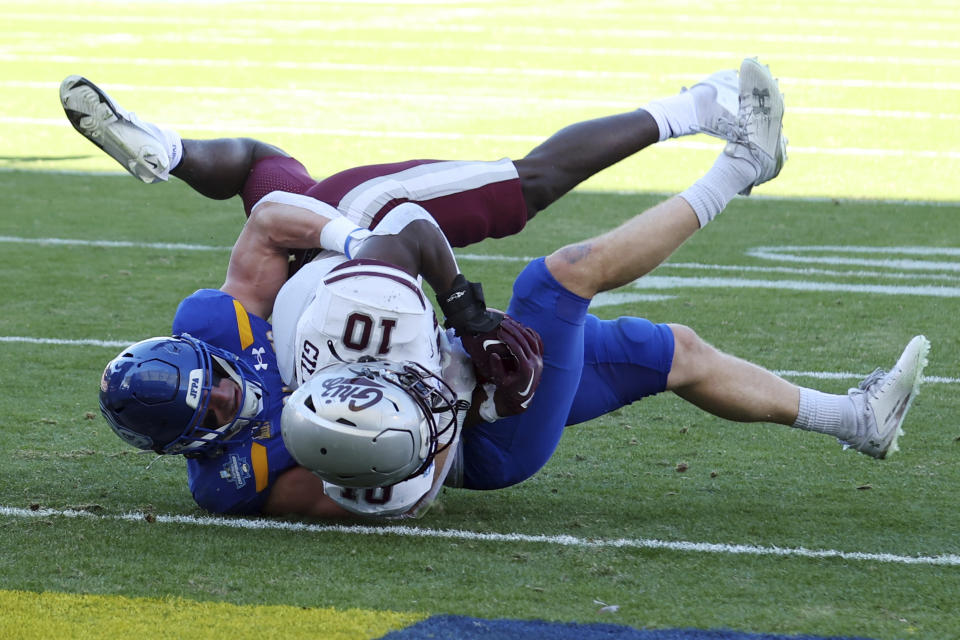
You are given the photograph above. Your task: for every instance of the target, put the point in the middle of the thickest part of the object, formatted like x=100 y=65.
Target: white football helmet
x=369 y=424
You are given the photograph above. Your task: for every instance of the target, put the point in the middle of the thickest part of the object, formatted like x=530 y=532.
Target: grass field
x=824 y=275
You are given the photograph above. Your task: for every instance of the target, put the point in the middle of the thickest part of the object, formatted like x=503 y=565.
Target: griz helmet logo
x=370 y=423
x=357 y=393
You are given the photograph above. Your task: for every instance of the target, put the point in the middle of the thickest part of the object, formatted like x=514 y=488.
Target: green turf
x=873 y=102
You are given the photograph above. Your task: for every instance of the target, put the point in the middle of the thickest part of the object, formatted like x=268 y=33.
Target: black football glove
x=465 y=310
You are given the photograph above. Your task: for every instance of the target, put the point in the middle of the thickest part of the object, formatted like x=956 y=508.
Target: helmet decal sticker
x=361 y=393
x=194 y=389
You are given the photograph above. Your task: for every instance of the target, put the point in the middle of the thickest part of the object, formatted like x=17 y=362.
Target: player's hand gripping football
x=511 y=363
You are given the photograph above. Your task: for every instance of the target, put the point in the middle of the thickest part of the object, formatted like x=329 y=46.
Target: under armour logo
x=259 y=355
x=762 y=97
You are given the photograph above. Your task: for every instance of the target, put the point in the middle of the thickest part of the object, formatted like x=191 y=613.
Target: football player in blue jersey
x=220 y=377
x=214 y=388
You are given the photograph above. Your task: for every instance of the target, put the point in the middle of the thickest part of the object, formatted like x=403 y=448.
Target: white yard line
x=868 y=20
x=660 y=283
x=512 y=538
x=35 y=40
x=338 y=96
x=785 y=373
x=420 y=70
x=124 y=244
x=67 y=343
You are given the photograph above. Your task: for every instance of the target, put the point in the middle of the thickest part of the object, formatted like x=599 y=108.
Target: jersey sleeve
x=239 y=477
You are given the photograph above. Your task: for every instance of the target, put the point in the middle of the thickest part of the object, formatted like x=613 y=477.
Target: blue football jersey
x=238 y=478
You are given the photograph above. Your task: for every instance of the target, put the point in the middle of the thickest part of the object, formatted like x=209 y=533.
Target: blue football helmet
x=155 y=394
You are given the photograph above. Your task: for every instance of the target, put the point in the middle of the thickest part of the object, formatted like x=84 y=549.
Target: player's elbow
x=279 y=227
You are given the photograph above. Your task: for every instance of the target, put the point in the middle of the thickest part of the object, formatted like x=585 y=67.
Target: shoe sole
x=758 y=76
x=76 y=118
x=145 y=163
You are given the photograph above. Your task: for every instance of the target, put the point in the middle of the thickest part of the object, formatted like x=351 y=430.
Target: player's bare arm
x=419 y=249
x=258 y=261
x=298 y=491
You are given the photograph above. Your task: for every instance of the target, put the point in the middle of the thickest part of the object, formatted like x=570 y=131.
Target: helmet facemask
x=204 y=431
x=156 y=395
x=433 y=396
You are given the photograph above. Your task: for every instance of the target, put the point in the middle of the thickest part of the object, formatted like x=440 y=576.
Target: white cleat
x=140 y=150
x=760 y=122
x=718 y=117
x=883 y=399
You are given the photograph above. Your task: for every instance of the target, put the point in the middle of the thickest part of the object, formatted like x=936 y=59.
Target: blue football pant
x=590 y=367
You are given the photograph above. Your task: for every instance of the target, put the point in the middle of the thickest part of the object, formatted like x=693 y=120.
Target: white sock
x=175 y=145
x=677 y=115
x=173 y=142
x=826 y=413
x=713 y=192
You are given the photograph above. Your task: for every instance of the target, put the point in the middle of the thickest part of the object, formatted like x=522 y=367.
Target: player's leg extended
x=215 y=168
x=628 y=359
x=868 y=418
x=581 y=150
x=636 y=247
x=727 y=386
